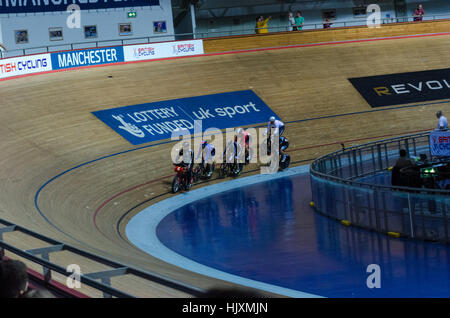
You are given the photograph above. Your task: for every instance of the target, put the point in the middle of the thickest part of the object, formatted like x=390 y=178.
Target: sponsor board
x=23 y=6
x=145 y=123
x=440 y=143
x=404 y=88
x=162 y=50
x=98 y=56
x=23 y=65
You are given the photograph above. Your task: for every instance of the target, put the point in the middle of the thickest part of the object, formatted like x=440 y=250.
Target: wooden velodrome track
x=47 y=128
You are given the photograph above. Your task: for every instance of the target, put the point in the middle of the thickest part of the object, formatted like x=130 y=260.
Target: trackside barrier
x=231 y=31
x=98 y=280
x=339 y=191
x=39 y=63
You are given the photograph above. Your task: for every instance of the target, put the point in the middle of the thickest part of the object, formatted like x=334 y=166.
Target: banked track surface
x=48 y=129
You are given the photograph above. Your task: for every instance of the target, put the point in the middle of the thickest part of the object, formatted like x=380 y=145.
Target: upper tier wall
x=319 y=36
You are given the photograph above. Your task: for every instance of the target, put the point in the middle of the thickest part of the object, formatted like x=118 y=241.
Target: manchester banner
x=440 y=143
x=89 y=57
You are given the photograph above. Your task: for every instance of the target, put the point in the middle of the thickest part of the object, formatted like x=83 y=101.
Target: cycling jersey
x=284 y=143
x=208 y=152
x=278 y=125
x=181 y=160
x=234 y=150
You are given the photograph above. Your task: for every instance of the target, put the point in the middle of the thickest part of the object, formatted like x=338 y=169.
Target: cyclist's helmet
x=239 y=131
x=272 y=119
x=185 y=146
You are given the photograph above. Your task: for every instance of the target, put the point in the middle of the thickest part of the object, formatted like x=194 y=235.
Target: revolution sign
x=144 y=123
x=404 y=88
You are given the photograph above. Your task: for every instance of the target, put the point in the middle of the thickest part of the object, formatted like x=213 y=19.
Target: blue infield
x=260 y=232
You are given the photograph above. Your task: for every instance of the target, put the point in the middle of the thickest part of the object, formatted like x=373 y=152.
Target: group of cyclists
x=237 y=153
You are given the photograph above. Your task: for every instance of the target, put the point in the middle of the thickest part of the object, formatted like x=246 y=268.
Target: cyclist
x=207 y=151
x=284 y=144
x=232 y=153
x=186 y=161
x=277 y=124
x=244 y=138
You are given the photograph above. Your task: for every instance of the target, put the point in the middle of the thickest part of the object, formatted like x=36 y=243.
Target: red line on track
x=97 y=211
x=292 y=150
x=234 y=52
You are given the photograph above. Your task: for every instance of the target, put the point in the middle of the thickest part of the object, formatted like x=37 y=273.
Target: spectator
x=37 y=293
x=419 y=13
x=292 y=26
x=261 y=25
x=13 y=278
x=299 y=20
x=327 y=23
x=442 y=121
x=402 y=162
x=3 y=47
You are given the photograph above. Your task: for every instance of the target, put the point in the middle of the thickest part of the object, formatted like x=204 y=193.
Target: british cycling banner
x=440 y=143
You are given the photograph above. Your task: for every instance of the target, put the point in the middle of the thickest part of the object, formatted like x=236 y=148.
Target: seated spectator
x=327 y=24
x=292 y=26
x=419 y=13
x=299 y=20
x=37 y=293
x=402 y=162
x=442 y=121
x=13 y=278
x=261 y=25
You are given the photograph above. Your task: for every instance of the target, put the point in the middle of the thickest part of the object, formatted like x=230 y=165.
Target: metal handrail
x=90 y=278
x=207 y=34
x=316 y=163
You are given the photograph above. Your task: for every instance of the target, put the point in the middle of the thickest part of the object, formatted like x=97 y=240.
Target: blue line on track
x=36 y=197
x=141 y=230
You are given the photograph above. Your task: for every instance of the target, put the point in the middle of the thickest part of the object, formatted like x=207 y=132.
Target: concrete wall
x=106 y=20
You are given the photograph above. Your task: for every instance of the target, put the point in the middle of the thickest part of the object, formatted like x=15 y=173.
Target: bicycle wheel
x=175 y=185
x=222 y=170
x=188 y=185
x=196 y=174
